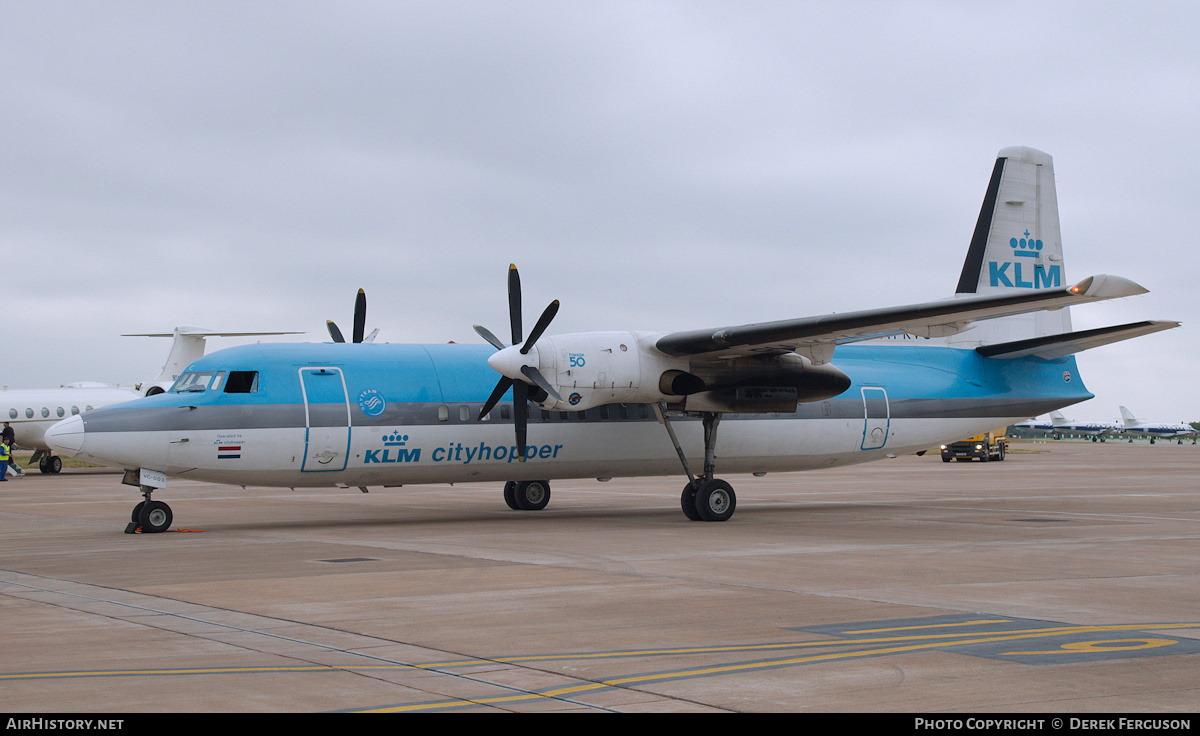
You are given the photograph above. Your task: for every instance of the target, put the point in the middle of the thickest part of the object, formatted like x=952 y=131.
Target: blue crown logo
x=395 y=439
x=1026 y=247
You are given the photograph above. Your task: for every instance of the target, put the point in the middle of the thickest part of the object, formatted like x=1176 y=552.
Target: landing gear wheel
x=155 y=517
x=715 y=500
x=50 y=464
x=1001 y=453
x=510 y=495
x=136 y=517
x=688 y=501
x=532 y=495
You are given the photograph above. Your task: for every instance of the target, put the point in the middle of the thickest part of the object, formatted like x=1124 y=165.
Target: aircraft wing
x=816 y=337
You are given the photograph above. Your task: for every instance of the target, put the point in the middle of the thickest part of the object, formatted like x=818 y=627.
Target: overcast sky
x=654 y=165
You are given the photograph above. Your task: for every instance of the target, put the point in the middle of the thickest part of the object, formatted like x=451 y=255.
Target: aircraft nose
x=66 y=437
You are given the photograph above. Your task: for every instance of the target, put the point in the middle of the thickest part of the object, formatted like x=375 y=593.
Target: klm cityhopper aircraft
x=797 y=394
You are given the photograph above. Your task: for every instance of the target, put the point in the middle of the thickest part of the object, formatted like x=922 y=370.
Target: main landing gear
x=150 y=516
x=527 y=495
x=704 y=498
x=47 y=463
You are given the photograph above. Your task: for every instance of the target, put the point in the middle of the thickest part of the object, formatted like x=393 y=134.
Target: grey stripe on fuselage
x=159 y=419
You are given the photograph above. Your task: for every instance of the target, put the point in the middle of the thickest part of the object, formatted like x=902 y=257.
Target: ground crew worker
x=8 y=436
x=5 y=454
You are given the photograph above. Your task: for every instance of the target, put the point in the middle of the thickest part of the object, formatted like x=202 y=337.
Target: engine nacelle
x=595 y=368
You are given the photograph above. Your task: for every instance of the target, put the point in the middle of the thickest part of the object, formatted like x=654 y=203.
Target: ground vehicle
x=990 y=446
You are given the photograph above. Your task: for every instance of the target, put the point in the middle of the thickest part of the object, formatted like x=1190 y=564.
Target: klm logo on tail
x=1041 y=277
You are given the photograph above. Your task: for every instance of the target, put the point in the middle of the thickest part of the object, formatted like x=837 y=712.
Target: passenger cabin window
x=242 y=382
x=29 y=413
x=60 y=411
x=12 y=413
x=45 y=412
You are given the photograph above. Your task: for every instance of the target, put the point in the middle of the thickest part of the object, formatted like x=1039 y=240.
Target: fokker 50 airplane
x=797 y=394
x=31 y=412
x=1060 y=425
x=1157 y=430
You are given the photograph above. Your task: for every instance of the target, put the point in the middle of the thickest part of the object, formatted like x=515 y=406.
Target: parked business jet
x=31 y=412
x=1135 y=427
x=1058 y=425
x=797 y=394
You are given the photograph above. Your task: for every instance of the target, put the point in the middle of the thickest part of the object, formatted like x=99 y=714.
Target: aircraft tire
x=715 y=500
x=137 y=512
x=510 y=495
x=687 y=500
x=155 y=517
x=532 y=495
x=55 y=464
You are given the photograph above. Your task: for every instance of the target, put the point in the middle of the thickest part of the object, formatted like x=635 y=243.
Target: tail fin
x=1057 y=419
x=1128 y=417
x=187 y=346
x=1017 y=244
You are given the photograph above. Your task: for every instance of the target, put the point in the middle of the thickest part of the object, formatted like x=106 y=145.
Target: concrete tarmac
x=1065 y=579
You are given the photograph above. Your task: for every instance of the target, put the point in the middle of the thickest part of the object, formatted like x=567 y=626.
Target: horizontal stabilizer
x=1069 y=343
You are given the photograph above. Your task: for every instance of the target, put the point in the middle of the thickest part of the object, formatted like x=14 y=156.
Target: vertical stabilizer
x=1017 y=245
x=187 y=346
x=1128 y=418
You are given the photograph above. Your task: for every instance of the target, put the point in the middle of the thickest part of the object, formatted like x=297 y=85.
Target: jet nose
x=66 y=437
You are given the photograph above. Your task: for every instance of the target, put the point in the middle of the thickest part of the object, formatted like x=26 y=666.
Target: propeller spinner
x=517 y=370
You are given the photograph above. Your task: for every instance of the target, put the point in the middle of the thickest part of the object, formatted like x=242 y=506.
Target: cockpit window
x=196 y=381
x=242 y=382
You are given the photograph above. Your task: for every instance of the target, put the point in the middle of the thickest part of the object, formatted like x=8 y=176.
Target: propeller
x=360 y=321
x=527 y=376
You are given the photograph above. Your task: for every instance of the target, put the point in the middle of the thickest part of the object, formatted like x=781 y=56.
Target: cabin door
x=875 y=428
x=327 y=420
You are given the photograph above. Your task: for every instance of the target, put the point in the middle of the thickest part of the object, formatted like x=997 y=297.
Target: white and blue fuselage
x=372 y=415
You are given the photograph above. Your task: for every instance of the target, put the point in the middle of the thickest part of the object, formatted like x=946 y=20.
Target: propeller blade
x=360 y=315
x=497 y=392
x=334 y=332
x=521 y=414
x=514 y=302
x=486 y=334
x=542 y=323
x=533 y=374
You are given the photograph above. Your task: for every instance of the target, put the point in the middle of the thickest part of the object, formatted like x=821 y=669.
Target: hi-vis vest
x=4 y=453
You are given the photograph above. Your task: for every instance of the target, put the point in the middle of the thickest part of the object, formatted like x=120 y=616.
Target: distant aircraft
x=1060 y=425
x=1135 y=427
x=797 y=394
x=32 y=411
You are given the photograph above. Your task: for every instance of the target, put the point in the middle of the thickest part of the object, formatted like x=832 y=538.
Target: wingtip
x=1106 y=286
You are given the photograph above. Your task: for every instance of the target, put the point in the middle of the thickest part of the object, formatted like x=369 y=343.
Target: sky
x=653 y=165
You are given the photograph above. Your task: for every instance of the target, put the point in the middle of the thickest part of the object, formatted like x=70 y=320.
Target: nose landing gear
x=149 y=516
